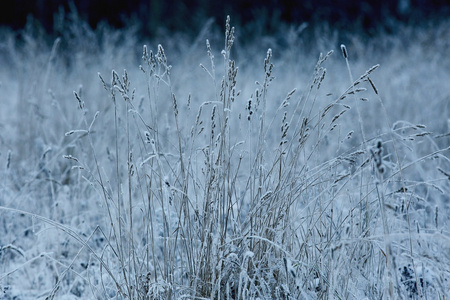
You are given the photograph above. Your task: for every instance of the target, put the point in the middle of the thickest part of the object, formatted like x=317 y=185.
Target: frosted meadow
x=305 y=165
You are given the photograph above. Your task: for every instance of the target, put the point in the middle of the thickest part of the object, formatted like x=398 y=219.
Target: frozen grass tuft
x=211 y=181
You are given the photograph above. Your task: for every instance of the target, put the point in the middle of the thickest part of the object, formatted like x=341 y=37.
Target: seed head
x=344 y=51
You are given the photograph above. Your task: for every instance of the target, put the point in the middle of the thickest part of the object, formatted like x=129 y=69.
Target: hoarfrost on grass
x=253 y=182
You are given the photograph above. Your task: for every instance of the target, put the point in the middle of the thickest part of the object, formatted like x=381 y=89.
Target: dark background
x=189 y=15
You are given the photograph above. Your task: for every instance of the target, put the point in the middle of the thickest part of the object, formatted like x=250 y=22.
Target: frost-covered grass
x=294 y=176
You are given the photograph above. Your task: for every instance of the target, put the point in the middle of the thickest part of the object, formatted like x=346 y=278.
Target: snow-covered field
x=223 y=169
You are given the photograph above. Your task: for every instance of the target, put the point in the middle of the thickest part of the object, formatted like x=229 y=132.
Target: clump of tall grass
x=242 y=190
